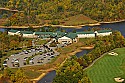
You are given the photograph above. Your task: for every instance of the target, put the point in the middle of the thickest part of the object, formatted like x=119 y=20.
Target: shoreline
x=66 y=26
x=111 y=22
x=51 y=69
x=82 y=48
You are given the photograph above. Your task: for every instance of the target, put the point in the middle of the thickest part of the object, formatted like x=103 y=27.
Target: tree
x=0 y=54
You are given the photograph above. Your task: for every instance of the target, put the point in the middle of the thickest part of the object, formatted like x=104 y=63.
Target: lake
x=81 y=53
x=120 y=26
x=48 y=78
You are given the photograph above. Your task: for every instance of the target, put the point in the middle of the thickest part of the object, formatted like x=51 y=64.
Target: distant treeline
x=41 y=11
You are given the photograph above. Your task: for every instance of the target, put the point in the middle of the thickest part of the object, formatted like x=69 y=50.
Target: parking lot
x=33 y=56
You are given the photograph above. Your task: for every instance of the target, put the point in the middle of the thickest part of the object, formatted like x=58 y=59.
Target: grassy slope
x=108 y=67
x=78 y=20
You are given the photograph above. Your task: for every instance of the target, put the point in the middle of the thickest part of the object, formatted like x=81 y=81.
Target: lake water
x=120 y=26
x=2 y=29
x=48 y=78
x=78 y=54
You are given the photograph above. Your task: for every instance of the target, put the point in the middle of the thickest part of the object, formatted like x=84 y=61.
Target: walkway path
x=9 y=9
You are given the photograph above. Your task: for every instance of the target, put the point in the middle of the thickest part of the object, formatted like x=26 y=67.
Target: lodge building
x=61 y=37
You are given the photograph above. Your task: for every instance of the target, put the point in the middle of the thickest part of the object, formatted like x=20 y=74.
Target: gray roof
x=14 y=31
x=103 y=31
x=26 y=32
x=85 y=32
x=43 y=33
x=71 y=35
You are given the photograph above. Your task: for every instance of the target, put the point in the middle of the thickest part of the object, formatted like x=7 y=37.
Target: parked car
x=48 y=54
x=6 y=59
x=31 y=62
x=16 y=64
x=13 y=55
x=26 y=52
x=24 y=63
x=5 y=63
x=29 y=51
x=52 y=57
x=12 y=61
x=16 y=61
x=44 y=57
x=25 y=58
x=40 y=60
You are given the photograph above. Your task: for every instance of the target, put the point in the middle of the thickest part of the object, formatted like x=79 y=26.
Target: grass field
x=108 y=67
x=78 y=20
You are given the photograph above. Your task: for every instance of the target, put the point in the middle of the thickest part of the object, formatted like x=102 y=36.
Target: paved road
x=45 y=57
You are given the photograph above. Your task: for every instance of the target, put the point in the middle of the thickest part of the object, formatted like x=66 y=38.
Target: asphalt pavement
x=44 y=54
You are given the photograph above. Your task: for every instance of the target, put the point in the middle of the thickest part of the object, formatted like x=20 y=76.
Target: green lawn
x=79 y=19
x=108 y=67
x=41 y=42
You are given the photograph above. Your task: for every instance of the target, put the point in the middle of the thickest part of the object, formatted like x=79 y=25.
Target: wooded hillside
x=52 y=11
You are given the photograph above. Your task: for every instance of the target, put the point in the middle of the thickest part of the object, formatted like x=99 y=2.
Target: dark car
x=25 y=58
x=48 y=54
x=40 y=60
x=44 y=57
x=52 y=57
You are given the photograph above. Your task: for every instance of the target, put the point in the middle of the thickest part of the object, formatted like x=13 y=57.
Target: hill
x=78 y=20
x=39 y=12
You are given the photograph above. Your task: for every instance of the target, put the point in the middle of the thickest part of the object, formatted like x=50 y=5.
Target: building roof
x=26 y=32
x=87 y=32
x=64 y=37
x=14 y=31
x=43 y=33
x=59 y=33
x=53 y=34
x=71 y=35
x=38 y=33
x=103 y=31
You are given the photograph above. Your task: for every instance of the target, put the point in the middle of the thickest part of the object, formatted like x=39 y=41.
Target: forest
x=39 y=12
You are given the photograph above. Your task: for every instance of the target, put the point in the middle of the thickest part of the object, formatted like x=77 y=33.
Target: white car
x=31 y=61
x=12 y=55
x=16 y=60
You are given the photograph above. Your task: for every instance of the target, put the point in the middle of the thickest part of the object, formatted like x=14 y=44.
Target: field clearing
x=78 y=20
x=108 y=67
